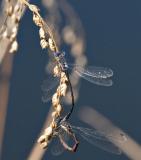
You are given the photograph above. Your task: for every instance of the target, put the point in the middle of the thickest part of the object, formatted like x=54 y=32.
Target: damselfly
x=66 y=132
x=96 y=75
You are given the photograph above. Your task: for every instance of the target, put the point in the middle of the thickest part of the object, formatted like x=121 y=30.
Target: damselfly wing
x=57 y=148
x=99 y=139
x=96 y=75
x=48 y=87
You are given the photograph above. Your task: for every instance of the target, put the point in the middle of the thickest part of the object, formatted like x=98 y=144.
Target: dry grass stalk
x=72 y=35
x=5 y=74
x=8 y=32
x=11 y=13
x=47 y=41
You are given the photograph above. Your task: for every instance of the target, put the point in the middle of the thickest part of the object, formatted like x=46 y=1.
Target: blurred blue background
x=113 y=35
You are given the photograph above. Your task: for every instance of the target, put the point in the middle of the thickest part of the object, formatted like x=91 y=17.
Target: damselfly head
x=56 y=54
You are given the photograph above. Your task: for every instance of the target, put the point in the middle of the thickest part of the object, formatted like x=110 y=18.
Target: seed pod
x=14 y=47
x=42 y=33
x=51 y=44
x=58 y=109
x=9 y=11
x=5 y=34
x=55 y=99
x=37 y=20
x=44 y=145
x=17 y=8
x=50 y=41
x=62 y=89
x=64 y=78
x=54 y=114
x=14 y=33
x=56 y=71
x=43 y=43
x=53 y=125
x=48 y=131
x=41 y=139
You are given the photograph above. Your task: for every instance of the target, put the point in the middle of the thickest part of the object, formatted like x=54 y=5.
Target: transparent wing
x=97 y=81
x=48 y=87
x=100 y=139
x=96 y=75
x=58 y=148
x=97 y=72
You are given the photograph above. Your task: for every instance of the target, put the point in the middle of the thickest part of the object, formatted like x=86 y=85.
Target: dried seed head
x=42 y=33
x=37 y=20
x=13 y=17
x=44 y=145
x=63 y=74
x=14 y=33
x=14 y=47
x=53 y=125
x=5 y=34
x=17 y=8
x=56 y=71
x=17 y=19
x=54 y=114
x=43 y=43
x=51 y=44
x=14 y=30
x=48 y=131
x=44 y=141
x=64 y=78
x=50 y=41
x=58 y=109
x=9 y=10
x=55 y=99
x=62 y=89
x=41 y=139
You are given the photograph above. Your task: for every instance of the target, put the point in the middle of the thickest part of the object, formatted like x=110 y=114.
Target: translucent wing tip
x=109 y=72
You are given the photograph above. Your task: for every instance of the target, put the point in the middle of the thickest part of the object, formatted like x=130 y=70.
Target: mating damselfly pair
x=96 y=75
x=64 y=131
x=64 y=137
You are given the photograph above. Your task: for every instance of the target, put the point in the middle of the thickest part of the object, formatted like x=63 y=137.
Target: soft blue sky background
x=113 y=33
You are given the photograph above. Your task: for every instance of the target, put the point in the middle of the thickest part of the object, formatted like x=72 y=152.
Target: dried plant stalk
x=95 y=119
x=8 y=32
x=47 y=41
x=11 y=13
x=5 y=74
x=72 y=35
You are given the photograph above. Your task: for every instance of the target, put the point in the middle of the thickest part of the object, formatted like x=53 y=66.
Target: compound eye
x=57 y=54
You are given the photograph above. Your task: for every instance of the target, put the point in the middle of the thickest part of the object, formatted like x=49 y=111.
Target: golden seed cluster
x=13 y=15
x=56 y=99
x=47 y=41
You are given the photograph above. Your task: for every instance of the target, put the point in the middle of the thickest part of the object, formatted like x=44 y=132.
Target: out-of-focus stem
x=37 y=152
x=90 y=116
x=8 y=36
x=6 y=58
x=5 y=73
